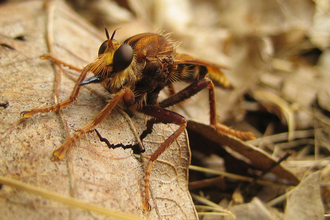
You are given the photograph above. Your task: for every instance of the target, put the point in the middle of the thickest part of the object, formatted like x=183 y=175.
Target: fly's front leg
x=165 y=116
x=193 y=89
x=60 y=62
x=63 y=104
x=124 y=93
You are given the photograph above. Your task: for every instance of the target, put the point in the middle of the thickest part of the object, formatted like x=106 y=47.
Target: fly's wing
x=191 y=68
x=219 y=78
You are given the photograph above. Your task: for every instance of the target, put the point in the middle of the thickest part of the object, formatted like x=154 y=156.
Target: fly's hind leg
x=165 y=116
x=193 y=89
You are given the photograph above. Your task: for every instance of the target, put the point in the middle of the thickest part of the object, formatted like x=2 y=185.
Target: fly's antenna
x=112 y=36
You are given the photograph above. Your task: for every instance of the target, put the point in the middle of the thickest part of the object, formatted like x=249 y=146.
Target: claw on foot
x=146 y=206
x=60 y=153
x=26 y=114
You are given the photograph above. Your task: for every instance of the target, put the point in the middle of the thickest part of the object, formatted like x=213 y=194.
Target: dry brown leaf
x=276 y=104
x=263 y=18
x=308 y=79
x=305 y=201
x=323 y=80
x=319 y=31
x=252 y=210
x=256 y=156
x=91 y=172
x=263 y=42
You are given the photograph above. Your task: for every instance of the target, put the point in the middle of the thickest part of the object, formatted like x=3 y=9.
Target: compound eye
x=122 y=57
x=103 y=47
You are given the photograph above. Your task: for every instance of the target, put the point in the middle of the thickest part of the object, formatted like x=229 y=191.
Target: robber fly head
x=119 y=56
x=113 y=58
